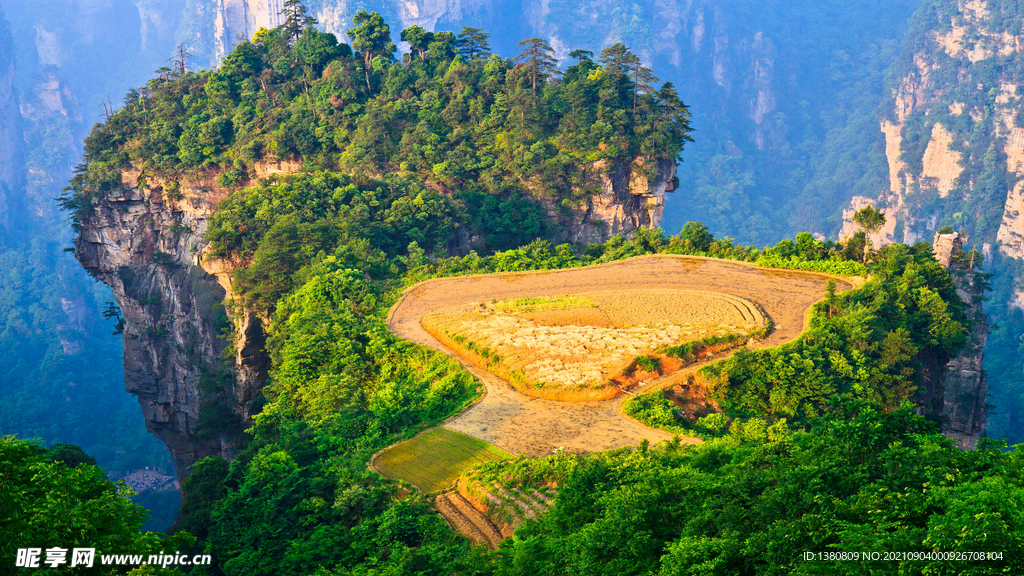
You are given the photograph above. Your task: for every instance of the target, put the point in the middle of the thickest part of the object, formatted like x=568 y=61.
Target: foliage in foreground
x=857 y=480
x=59 y=498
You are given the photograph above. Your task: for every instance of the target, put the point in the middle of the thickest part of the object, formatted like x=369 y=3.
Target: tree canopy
x=450 y=115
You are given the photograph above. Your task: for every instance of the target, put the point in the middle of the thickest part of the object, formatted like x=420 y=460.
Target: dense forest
x=860 y=471
x=503 y=133
x=819 y=449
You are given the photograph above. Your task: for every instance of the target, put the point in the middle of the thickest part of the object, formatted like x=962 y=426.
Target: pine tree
x=643 y=78
x=538 y=60
x=295 y=19
x=472 y=43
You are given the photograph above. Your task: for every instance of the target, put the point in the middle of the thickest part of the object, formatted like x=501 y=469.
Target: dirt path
x=521 y=424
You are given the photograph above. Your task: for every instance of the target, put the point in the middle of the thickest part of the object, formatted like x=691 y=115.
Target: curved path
x=523 y=424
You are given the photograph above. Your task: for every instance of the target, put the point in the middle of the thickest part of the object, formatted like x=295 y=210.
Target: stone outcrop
x=629 y=196
x=958 y=392
x=145 y=242
x=235 y=19
x=964 y=38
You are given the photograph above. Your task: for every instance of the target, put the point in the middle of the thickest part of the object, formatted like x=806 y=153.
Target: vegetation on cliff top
x=449 y=114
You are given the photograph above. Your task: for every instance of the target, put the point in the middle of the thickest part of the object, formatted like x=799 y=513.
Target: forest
x=822 y=450
x=501 y=133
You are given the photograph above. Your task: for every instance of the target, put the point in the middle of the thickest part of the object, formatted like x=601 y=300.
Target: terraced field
x=506 y=507
x=671 y=298
x=571 y=347
x=463 y=517
x=520 y=424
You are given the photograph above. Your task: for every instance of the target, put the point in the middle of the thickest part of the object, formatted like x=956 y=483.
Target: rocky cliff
x=144 y=240
x=953 y=126
x=951 y=122
x=957 y=393
x=627 y=199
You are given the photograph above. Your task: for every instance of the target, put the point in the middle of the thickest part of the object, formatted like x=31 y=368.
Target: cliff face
x=145 y=242
x=953 y=125
x=628 y=199
x=954 y=131
x=958 y=392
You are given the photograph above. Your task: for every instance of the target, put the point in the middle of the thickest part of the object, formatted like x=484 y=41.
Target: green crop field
x=434 y=460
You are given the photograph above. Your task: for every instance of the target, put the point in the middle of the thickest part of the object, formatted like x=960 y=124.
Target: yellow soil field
x=520 y=424
x=580 y=341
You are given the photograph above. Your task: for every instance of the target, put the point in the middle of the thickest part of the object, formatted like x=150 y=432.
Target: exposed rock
x=940 y=164
x=885 y=234
x=1011 y=229
x=958 y=393
x=144 y=244
x=969 y=38
x=627 y=200
x=241 y=19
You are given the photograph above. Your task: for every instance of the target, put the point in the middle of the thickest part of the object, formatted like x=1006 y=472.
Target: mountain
x=64 y=379
x=953 y=123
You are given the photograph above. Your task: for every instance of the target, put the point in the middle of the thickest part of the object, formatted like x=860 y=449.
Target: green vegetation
x=525 y=305
x=58 y=497
x=871 y=343
x=858 y=479
x=449 y=117
x=687 y=351
x=647 y=363
x=434 y=460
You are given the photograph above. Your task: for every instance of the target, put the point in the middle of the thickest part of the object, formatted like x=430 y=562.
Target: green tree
x=372 y=38
x=870 y=221
x=538 y=60
x=419 y=39
x=643 y=78
x=472 y=43
x=296 y=19
x=60 y=498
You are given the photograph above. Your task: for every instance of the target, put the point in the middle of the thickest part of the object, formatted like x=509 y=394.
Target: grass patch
x=543 y=303
x=434 y=460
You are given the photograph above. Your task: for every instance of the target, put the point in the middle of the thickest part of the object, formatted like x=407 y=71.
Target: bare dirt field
x=576 y=345
x=521 y=424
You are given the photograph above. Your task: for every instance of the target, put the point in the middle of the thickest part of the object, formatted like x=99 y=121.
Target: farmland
x=576 y=344
x=433 y=460
x=521 y=424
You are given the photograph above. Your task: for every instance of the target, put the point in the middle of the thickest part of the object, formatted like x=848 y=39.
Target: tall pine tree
x=296 y=19
x=472 y=43
x=538 y=60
